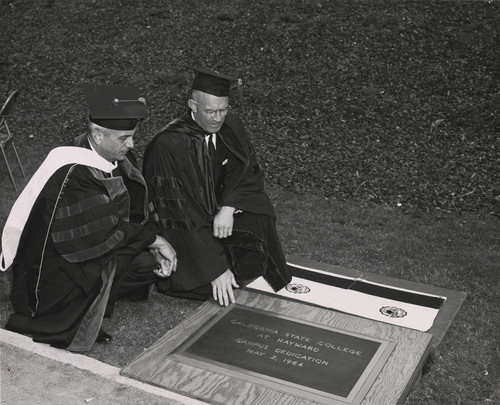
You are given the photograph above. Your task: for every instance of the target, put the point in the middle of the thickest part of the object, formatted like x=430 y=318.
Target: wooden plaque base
x=162 y=366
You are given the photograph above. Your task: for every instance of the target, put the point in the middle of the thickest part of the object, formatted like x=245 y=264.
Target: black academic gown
x=181 y=182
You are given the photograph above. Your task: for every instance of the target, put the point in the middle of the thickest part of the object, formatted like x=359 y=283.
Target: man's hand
x=165 y=256
x=222 y=288
x=166 y=266
x=223 y=222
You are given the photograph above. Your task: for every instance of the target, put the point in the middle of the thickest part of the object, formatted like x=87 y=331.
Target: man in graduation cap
x=76 y=237
x=208 y=190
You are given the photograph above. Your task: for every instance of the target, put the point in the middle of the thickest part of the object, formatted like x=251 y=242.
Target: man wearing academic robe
x=208 y=190
x=76 y=238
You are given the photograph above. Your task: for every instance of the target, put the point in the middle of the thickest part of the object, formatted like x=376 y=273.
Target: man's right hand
x=222 y=288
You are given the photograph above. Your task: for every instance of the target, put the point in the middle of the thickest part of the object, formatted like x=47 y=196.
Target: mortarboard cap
x=115 y=107
x=212 y=82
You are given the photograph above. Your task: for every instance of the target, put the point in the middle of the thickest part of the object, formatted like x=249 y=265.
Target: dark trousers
x=255 y=250
x=133 y=280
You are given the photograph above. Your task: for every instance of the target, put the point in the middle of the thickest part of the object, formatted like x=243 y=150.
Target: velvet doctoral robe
x=70 y=252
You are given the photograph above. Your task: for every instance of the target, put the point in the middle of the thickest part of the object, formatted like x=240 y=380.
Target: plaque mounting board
x=178 y=361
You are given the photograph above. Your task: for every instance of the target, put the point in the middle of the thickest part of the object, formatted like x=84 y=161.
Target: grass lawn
x=460 y=252
x=376 y=122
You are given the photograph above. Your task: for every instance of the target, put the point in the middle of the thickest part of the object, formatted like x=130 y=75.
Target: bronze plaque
x=298 y=357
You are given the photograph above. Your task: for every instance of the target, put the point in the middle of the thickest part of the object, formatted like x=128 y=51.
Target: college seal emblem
x=393 y=312
x=297 y=288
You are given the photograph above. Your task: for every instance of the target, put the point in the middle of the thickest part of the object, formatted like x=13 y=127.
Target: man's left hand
x=223 y=222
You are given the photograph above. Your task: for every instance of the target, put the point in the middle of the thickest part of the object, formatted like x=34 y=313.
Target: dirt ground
x=33 y=373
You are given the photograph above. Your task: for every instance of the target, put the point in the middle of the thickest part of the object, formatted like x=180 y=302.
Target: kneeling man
x=208 y=190
x=76 y=238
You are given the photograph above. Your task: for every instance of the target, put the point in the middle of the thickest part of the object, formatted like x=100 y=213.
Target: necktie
x=211 y=150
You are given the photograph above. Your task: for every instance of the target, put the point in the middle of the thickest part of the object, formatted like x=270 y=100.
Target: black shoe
x=103 y=337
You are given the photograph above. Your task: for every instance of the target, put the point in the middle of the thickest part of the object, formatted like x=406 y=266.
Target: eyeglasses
x=212 y=113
